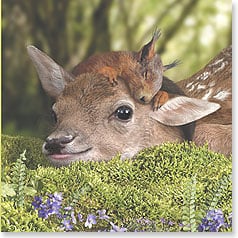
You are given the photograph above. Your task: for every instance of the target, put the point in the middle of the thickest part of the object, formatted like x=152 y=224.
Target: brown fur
x=215 y=128
x=88 y=104
x=142 y=71
x=89 y=128
x=219 y=71
x=218 y=137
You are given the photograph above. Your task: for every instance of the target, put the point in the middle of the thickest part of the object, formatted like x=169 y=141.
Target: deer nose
x=54 y=145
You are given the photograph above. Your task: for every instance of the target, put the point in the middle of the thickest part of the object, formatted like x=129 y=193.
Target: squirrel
x=142 y=71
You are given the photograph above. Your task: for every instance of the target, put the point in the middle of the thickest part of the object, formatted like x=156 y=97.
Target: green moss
x=21 y=220
x=13 y=146
x=151 y=185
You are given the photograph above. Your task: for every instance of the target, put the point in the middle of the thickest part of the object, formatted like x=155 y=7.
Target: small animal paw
x=110 y=73
x=160 y=99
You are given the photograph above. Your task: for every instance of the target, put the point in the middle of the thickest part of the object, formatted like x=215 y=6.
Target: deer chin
x=64 y=158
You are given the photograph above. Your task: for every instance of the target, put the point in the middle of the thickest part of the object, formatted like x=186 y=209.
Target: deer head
x=95 y=121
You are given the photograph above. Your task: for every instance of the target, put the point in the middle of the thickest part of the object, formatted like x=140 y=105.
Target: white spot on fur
x=203 y=76
x=222 y=95
x=191 y=89
x=192 y=86
x=200 y=86
x=219 y=65
x=189 y=85
x=220 y=68
x=218 y=61
x=208 y=94
x=212 y=84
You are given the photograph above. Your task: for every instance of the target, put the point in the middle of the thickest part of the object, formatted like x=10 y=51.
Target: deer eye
x=123 y=113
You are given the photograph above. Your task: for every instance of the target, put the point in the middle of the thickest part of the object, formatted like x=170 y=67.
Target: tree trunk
x=100 y=24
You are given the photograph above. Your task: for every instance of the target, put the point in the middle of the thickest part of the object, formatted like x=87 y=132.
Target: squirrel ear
x=148 y=51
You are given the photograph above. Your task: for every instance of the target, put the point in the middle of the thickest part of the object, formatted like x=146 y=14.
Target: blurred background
x=193 y=31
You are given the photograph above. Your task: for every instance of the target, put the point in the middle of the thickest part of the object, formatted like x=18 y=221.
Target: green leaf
x=186 y=228
x=30 y=191
x=7 y=190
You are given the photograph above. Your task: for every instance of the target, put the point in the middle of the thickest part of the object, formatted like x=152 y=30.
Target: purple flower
x=117 y=228
x=54 y=208
x=57 y=197
x=171 y=223
x=51 y=206
x=80 y=217
x=91 y=220
x=73 y=217
x=163 y=221
x=43 y=211
x=144 y=221
x=213 y=221
x=181 y=224
x=67 y=225
x=102 y=214
x=37 y=202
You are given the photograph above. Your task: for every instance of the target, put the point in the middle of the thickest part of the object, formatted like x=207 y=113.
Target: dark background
x=193 y=31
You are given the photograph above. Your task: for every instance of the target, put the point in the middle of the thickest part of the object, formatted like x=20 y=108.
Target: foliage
x=22 y=219
x=12 y=146
x=193 y=31
x=162 y=189
x=214 y=221
x=189 y=214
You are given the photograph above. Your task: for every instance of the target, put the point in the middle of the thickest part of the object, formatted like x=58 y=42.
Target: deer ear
x=52 y=76
x=182 y=110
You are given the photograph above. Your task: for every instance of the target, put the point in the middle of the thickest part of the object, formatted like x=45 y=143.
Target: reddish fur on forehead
x=89 y=87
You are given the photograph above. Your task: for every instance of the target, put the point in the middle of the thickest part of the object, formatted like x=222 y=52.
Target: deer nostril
x=54 y=145
x=60 y=140
x=66 y=139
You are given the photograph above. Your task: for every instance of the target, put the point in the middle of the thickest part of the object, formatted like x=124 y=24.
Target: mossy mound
x=161 y=182
x=13 y=146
